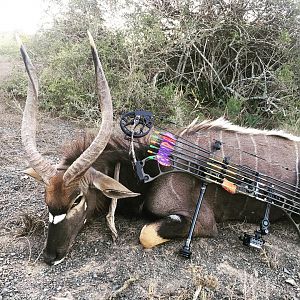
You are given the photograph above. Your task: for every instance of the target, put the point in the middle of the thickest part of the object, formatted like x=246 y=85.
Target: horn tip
x=19 y=41
x=92 y=43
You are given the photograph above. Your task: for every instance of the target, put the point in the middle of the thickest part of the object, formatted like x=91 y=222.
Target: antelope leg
x=110 y=217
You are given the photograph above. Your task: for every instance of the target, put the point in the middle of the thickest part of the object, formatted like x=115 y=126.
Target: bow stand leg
x=186 y=249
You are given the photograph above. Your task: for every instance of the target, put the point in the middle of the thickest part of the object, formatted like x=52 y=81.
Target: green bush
x=179 y=59
x=8 y=46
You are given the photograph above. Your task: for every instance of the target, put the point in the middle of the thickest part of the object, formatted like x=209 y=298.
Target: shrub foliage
x=178 y=58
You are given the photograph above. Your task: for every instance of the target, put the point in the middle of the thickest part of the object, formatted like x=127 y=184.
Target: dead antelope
x=82 y=183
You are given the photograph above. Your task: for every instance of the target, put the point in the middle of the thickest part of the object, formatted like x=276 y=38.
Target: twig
x=197 y=292
x=38 y=257
x=210 y=65
x=126 y=284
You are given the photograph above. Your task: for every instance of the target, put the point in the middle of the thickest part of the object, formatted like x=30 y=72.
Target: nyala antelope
x=83 y=184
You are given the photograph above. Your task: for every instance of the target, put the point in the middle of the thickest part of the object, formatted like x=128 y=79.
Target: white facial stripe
x=58 y=261
x=50 y=217
x=85 y=206
x=175 y=218
x=58 y=218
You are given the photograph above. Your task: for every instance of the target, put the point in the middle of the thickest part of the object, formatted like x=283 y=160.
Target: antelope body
x=82 y=183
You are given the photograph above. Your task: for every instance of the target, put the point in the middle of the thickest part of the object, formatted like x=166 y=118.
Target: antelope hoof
x=149 y=236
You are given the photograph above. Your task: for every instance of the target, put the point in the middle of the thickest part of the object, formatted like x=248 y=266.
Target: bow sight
x=136 y=123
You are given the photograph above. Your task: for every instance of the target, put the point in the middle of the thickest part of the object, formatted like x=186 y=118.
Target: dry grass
x=31 y=224
x=248 y=287
x=270 y=257
x=204 y=284
x=125 y=286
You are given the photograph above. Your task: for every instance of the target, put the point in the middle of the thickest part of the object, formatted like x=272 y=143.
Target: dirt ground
x=220 y=268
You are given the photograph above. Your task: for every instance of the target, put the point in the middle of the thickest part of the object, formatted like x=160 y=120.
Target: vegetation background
x=180 y=59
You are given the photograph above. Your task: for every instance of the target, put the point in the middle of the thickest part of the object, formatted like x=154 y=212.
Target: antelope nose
x=49 y=258
x=53 y=258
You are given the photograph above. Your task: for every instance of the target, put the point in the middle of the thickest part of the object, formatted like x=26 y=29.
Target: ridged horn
x=86 y=159
x=28 y=130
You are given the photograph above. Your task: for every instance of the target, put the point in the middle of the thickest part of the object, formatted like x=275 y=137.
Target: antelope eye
x=77 y=200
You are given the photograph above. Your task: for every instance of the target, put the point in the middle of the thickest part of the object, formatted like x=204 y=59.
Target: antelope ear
x=111 y=187
x=31 y=172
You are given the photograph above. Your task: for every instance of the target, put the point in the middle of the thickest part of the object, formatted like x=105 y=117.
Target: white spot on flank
x=58 y=261
x=84 y=221
x=175 y=218
x=221 y=140
x=58 y=218
x=255 y=151
x=239 y=146
x=172 y=187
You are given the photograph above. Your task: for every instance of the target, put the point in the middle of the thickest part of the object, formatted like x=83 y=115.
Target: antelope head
x=70 y=191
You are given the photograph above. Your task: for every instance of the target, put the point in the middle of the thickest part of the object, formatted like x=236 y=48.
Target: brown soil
x=220 y=268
